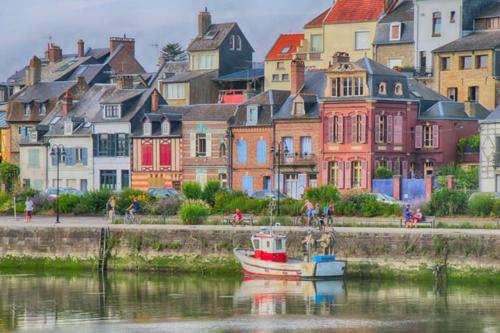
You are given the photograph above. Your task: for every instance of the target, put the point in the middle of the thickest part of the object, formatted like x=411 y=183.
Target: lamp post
x=57 y=152
x=277 y=153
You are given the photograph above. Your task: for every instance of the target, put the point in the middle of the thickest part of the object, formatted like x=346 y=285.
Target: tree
x=173 y=52
x=9 y=174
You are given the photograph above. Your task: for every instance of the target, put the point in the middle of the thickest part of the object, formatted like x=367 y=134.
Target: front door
x=291 y=186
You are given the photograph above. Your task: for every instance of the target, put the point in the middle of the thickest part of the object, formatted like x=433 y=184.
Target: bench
x=428 y=220
x=247 y=219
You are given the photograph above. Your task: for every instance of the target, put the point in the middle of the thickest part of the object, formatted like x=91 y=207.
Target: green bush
x=164 y=207
x=465 y=179
x=67 y=203
x=194 y=212
x=365 y=205
x=93 y=203
x=192 y=190
x=227 y=203
x=9 y=173
x=291 y=207
x=447 y=202
x=495 y=211
x=323 y=195
x=210 y=190
x=481 y=204
x=126 y=197
x=383 y=173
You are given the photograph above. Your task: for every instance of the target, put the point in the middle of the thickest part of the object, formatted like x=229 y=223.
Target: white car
x=52 y=192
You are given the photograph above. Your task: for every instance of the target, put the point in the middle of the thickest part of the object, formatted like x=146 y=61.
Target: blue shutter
x=261 y=151
x=247 y=185
x=70 y=156
x=85 y=156
x=54 y=159
x=242 y=151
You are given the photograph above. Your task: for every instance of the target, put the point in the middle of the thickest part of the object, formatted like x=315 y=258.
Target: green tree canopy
x=173 y=52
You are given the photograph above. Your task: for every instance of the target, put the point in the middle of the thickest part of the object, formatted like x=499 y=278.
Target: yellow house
x=4 y=137
x=277 y=66
x=465 y=70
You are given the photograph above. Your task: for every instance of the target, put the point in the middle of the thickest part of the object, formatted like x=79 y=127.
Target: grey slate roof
x=490 y=11
x=89 y=72
x=269 y=102
x=244 y=75
x=402 y=13
x=44 y=91
x=210 y=112
x=374 y=68
x=204 y=44
x=479 y=40
x=190 y=75
x=494 y=117
x=119 y=96
x=97 y=53
x=156 y=120
x=451 y=110
x=166 y=70
x=420 y=91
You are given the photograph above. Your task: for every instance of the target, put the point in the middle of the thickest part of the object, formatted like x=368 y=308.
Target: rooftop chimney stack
x=67 y=102
x=340 y=58
x=34 y=71
x=204 y=22
x=54 y=53
x=297 y=76
x=125 y=82
x=128 y=43
x=80 y=48
x=155 y=101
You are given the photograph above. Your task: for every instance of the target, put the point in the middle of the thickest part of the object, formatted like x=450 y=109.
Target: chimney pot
x=125 y=82
x=67 y=102
x=155 y=101
x=204 y=22
x=297 y=76
x=54 y=53
x=34 y=71
x=81 y=48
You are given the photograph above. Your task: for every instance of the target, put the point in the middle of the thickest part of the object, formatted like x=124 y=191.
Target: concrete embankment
x=369 y=251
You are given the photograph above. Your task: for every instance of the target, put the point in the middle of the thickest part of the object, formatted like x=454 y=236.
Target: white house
x=489 y=163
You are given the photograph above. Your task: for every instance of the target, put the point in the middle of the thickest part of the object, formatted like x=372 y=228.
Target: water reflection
x=157 y=303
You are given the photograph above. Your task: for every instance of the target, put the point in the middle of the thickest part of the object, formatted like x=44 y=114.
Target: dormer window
x=252 y=114
x=112 y=111
x=68 y=127
x=27 y=109
x=299 y=108
x=398 y=89
x=382 y=88
x=43 y=109
x=165 y=128
x=395 y=33
x=147 y=128
x=347 y=87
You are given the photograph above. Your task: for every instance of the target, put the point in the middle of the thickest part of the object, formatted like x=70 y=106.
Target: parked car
x=161 y=193
x=265 y=194
x=385 y=198
x=52 y=192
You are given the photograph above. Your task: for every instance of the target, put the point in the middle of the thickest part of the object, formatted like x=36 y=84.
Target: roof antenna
x=206 y=10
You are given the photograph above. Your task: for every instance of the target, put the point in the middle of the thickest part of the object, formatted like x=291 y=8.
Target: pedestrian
x=309 y=211
x=28 y=209
x=330 y=210
x=111 y=207
x=407 y=216
x=318 y=215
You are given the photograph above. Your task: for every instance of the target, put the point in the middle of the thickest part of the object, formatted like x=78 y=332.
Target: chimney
x=340 y=58
x=67 y=102
x=297 y=76
x=128 y=43
x=80 y=48
x=155 y=101
x=470 y=108
x=54 y=53
x=125 y=82
x=34 y=71
x=204 y=22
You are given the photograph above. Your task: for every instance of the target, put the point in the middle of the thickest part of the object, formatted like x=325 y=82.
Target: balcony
x=299 y=159
x=423 y=72
x=313 y=56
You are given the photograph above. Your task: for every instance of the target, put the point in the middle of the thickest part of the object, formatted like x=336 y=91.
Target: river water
x=156 y=303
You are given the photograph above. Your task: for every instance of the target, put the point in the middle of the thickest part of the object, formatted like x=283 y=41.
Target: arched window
x=146 y=128
x=398 y=89
x=333 y=176
x=357 y=170
x=382 y=88
x=222 y=149
x=238 y=43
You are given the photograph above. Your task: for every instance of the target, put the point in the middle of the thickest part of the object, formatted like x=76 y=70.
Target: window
x=398 y=89
x=201 y=145
x=252 y=115
x=108 y=179
x=262 y=151
x=316 y=43
x=266 y=183
x=79 y=155
x=201 y=177
x=362 y=40
x=356 y=174
x=165 y=154
x=347 y=85
x=111 y=145
x=358 y=129
x=466 y=62
x=429 y=168
x=358 y=86
x=165 y=127
x=380 y=130
x=43 y=109
x=122 y=145
x=382 y=88
x=223 y=180
x=222 y=149
x=276 y=77
x=333 y=175
x=423 y=61
x=395 y=31
x=247 y=185
x=83 y=185
x=280 y=65
x=337 y=129
x=287 y=145
x=445 y=64
x=238 y=43
x=474 y=94
x=175 y=91
x=428 y=136
x=232 y=43
x=481 y=61
x=286 y=50
x=241 y=151
x=285 y=77
x=147 y=128
x=27 y=109
x=206 y=61
x=33 y=158
x=111 y=111
x=2 y=96
x=147 y=154
x=394 y=63
x=452 y=93
x=452 y=16
x=336 y=87
x=305 y=146
x=103 y=145
x=299 y=108
x=436 y=24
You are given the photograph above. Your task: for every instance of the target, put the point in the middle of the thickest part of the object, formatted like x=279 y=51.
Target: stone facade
x=386 y=54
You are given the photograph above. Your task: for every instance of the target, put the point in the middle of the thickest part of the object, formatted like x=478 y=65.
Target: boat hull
x=290 y=269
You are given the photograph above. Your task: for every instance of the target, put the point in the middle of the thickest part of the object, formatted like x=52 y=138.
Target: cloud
x=27 y=25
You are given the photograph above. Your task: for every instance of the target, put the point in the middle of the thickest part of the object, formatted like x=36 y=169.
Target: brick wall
x=405 y=52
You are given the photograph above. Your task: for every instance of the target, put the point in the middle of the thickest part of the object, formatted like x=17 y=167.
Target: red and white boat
x=269 y=259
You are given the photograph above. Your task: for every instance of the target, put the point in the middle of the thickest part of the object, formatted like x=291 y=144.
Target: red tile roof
x=346 y=11
x=291 y=41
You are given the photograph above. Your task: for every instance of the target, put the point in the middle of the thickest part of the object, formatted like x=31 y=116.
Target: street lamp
x=277 y=153
x=57 y=152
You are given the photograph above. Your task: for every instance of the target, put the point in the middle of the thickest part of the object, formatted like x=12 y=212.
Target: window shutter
x=326 y=131
x=85 y=156
x=363 y=129
x=147 y=154
x=364 y=174
x=398 y=130
x=261 y=151
x=165 y=154
x=330 y=130
x=435 y=136
x=405 y=169
x=247 y=183
x=390 y=132
x=95 y=143
x=242 y=151
x=353 y=129
x=209 y=144
x=192 y=143
x=341 y=129
x=341 y=175
x=326 y=173
x=348 y=175
x=418 y=137
x=377 y=128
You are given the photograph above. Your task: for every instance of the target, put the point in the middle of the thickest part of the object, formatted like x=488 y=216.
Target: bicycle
x=131 y=219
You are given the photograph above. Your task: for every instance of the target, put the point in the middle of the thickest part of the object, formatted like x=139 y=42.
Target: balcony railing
x=299 y=159
x=423 y=71
x=309 y=56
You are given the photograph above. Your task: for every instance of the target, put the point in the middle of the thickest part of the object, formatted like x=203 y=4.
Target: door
x=247 y=185
x=125 y=178
x=83 y=185
x=108 y=179
x=292 y=186
x=267 y=183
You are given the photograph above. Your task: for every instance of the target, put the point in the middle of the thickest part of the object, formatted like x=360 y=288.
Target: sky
x=26 y=26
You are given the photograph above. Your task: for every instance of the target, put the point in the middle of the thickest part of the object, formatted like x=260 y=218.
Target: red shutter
x=326 y=173
x=377 y=128
x=418 y=137
x=341 y=129
x=165 y=154
x=348 y=175
x=330 y=129
x=398 y=130
x=341 y=174
x=147 y=154
x=364 y=174
x=389 y=129
x=326 y=125
x=363 y=129
x=353 y=129
x=405 y=169
x=435 y=136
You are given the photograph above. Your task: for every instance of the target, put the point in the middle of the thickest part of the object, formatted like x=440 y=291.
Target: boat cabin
x=269 y=247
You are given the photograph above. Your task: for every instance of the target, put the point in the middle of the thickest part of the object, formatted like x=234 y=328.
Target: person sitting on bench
x=238 y=217
x=418 y=217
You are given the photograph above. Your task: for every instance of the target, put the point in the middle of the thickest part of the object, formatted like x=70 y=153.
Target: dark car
x=265 y=194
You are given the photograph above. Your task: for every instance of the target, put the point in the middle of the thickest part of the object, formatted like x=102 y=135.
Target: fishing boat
x=269 y=258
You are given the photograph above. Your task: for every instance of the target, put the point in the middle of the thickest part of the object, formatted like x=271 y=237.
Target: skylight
x=55 y=120
x=87 y=124
x=286 y=49
x=210 y=34
x=416 y=94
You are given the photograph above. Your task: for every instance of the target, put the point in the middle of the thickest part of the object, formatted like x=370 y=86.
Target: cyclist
x=134 y=208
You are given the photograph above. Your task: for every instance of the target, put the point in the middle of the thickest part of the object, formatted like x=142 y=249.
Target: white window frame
x=27 y=109
x=232 y=43
x=322 y=46
x=43 y=109
x=395 y=24
x=112 y=111
x=252 y=115
x=238 y=43
x=147 y=128
x=358 y=86
x=176 y=90
x=276 y=78
x=79 y=155
x=165 y=127
x=206 y=61
x=358 y=47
